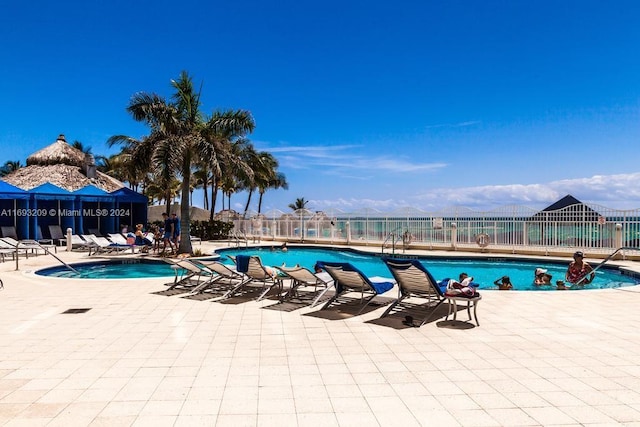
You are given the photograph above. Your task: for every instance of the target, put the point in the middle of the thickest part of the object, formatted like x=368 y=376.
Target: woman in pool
x=579 y=272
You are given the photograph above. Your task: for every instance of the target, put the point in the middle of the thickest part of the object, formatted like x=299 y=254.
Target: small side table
x=453 y=306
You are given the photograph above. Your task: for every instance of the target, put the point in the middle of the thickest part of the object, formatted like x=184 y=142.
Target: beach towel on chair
x=242 y=262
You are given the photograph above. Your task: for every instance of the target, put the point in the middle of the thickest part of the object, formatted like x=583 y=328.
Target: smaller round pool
x=112 y=269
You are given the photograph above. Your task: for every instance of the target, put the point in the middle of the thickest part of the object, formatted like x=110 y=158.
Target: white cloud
x=455 y=125
x=337 y=159
x=614 y=191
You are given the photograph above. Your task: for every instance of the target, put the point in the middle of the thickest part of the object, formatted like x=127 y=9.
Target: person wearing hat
x=579 y=272
x=541 y=277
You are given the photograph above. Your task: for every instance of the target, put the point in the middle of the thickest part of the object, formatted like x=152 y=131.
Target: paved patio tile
x=137 y=358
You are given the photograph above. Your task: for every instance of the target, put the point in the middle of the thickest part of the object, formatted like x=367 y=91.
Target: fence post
x=347 y=229
x=618 y=243
x=454 y=236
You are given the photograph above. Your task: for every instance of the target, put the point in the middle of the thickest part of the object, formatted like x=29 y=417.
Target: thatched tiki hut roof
x=59 y=153
x=64 y=166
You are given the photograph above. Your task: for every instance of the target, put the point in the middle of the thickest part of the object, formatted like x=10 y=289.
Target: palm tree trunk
x=167 y=198
x=206 y=195
x=185 y=220
x=246 y=207
x=260 y=202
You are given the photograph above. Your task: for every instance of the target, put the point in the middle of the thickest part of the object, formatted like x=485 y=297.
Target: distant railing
x=516 y=229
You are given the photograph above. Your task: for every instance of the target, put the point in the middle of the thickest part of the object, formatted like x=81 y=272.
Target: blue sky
x=365 y=104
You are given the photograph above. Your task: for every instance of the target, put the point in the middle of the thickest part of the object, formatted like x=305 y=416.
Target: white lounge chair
x=227 y=279
x=303 y=277
x=102 y=245
x=252 y=267
x=190 y=271
x=26 y=245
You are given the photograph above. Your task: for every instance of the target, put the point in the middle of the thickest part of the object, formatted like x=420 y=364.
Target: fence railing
x=596 y=229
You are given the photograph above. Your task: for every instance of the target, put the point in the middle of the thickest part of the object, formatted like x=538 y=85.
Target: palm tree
x=300 y=203
x=180 y=136
x=201 y=178
x=80 y=146
x=267 y=175
x=278 y=181
x=248 y=182
x=122 y=167
x=228 y=167
x=9 y=167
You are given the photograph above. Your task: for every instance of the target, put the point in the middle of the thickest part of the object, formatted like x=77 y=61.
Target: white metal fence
x=592 y=228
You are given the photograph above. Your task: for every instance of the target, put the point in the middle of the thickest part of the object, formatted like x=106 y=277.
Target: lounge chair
x=78 y=242
x=414 y=280
x=190 y=271
x=46 y=243
x=117 y=238
x=102 y=245
x=303 y=277
x=24 y=245
x=227 y=279
x=253 y=268
x=348 y=278
x=8 y=249
x=59 y=238
x=9 y=231
x=95 y=232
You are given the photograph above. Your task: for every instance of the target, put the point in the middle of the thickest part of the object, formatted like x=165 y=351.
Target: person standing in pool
x=503 y=283
x=579 y=272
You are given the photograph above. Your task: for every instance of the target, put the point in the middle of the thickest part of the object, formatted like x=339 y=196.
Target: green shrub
x=211 y=230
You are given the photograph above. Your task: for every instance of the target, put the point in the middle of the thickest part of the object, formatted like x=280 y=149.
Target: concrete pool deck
x=141 y=358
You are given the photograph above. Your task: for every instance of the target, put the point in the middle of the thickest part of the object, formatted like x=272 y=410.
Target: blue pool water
x=112 y=269
x=484 y=271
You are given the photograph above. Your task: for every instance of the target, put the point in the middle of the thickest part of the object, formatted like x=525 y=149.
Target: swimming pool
x=129 y=268
x=484 y=270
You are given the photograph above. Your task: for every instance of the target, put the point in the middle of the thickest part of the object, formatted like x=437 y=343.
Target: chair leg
x=451 y=304
x=204 y=285
x=392 y=306
x=320 y=295
x=367 y=303
x=431 y=312
x=335 y=297
x=236 y=288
